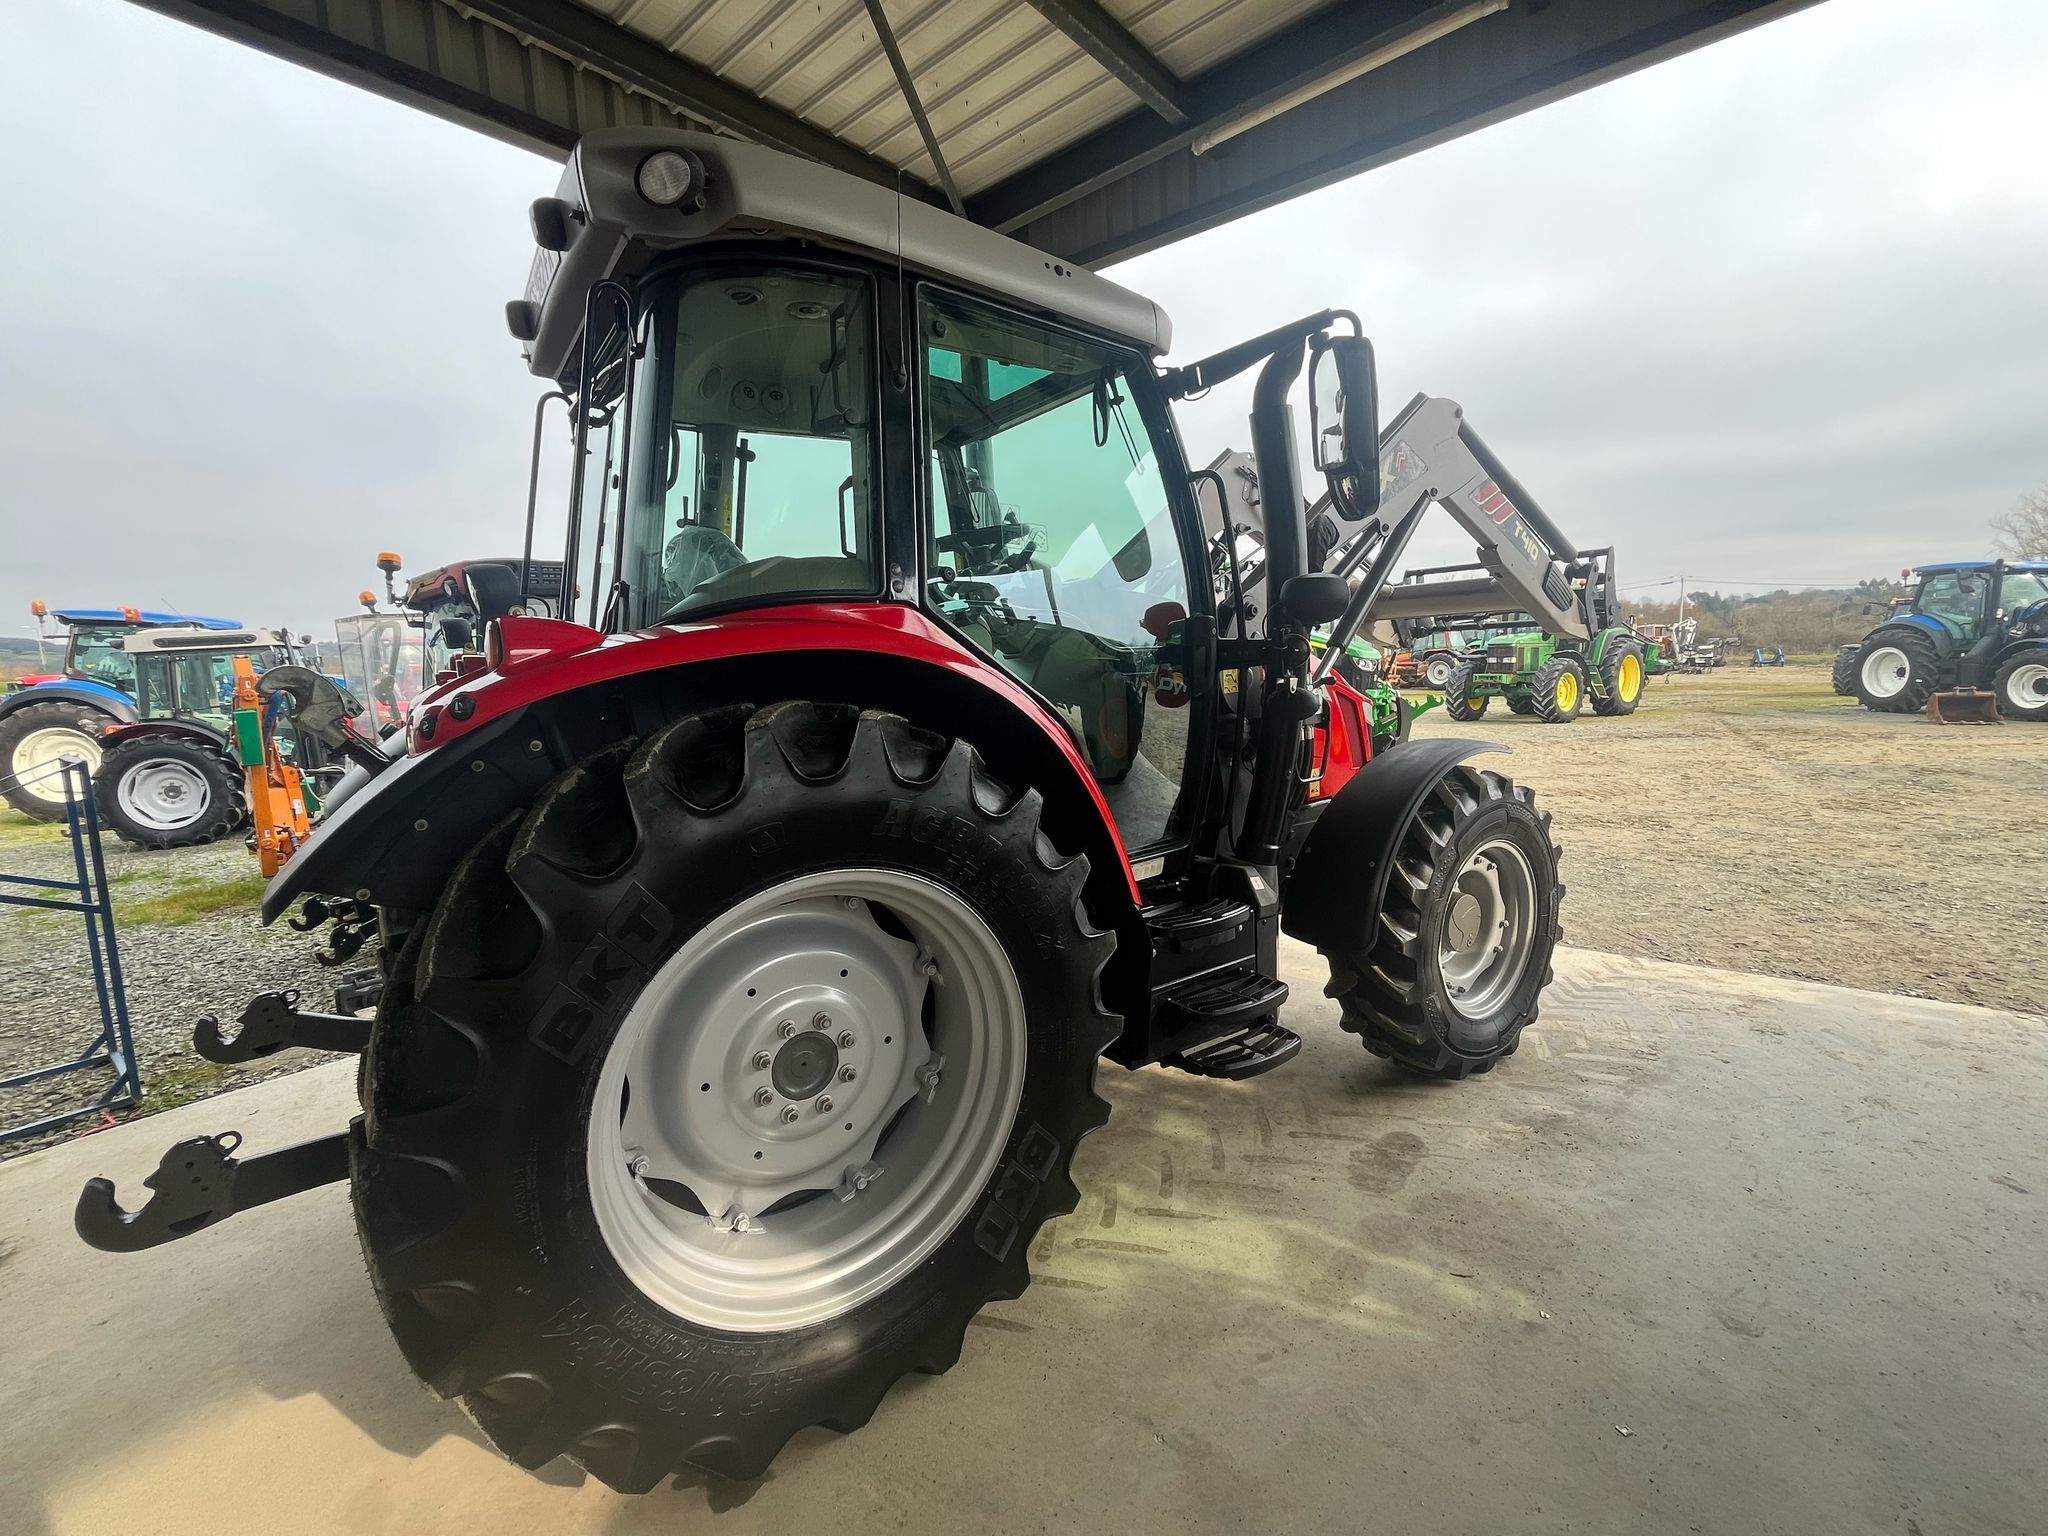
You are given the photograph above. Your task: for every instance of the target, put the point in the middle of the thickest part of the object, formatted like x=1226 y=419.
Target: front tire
x=1843 y=676
x=1459 y=702
x=33 y=741
x=558 y=1196
x=2022 y=684
x=1896 y=671
x=1621 y=679
x=1558 y=690
x=1451 y=971
x=166 y=793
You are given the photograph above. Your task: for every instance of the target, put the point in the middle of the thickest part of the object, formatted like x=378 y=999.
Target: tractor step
x=1240 y=1054
x=270 y=1022
x=200 y=1183
x=1198 y=925
x=1228 y=1015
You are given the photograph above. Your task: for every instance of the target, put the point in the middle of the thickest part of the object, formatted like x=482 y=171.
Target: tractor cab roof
x=610 y=230
x=139 y=616
x=179 y=640
x=1939 y=567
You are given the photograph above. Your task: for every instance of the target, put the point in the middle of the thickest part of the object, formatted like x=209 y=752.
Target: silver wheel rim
x=164 y=794
x=1886 y=672
x=36 y=757
x=806 y=1215
x=1439 y=673
x=1489 y=931
x=2026 y=687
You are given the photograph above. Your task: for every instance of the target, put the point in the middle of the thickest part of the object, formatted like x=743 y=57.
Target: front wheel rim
x=1631 y=679
x=2026 y=687
x=1567 y=692
x=164 y=794
x=1489 y=929
x=1886 y=672
x=719 y=1203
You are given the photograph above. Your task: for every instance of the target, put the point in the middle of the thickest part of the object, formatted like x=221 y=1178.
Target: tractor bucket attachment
x=1964 y=706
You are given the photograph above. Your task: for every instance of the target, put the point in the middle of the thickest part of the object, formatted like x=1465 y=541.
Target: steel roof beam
x=901 y=70
x=1285 y=62
x=1105 y=40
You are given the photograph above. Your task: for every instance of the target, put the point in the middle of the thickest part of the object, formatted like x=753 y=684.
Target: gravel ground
x=1751 y=820
x=174 y=971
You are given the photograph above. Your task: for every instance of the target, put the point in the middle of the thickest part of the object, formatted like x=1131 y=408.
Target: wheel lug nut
x=764 y=1096
x=786 y=1028
x=845 y=1039
x=847 y=1074
x=763 y=1061
x=789 y=1114
x=821 y=1020
x=824 y=1103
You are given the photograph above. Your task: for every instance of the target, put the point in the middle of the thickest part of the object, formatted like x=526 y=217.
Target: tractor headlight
x=671 y=178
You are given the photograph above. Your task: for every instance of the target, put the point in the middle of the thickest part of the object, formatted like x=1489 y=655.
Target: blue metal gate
x=86 y=894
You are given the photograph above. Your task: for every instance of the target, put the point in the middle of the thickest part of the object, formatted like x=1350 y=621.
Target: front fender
x=486 y=745
x=1332 y=896
x=71 y=690
x=188 y=730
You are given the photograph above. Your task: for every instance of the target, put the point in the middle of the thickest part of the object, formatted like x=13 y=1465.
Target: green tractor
x=1553 y=679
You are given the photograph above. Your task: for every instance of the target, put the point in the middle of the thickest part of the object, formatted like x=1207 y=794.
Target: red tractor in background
x=752 y=931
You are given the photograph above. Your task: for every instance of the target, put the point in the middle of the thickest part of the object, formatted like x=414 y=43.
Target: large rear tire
x=1559 y=690
x=1451 y=971
x=1439 y=670
x=33 y=741
x=1621 y=679
x=593 y=1214
x=1895 y=671
x=1843 y=676
x=1459 y=702
x=165 y=793
x=2022 y=684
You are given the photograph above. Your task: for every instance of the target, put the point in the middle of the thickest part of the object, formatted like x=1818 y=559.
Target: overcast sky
x=1774 y=312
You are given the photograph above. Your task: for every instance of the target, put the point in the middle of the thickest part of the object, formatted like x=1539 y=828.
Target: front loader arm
x=1430 y=453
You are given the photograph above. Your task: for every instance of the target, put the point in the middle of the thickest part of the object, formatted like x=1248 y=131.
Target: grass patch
x=190 y=900
x=19 y=831
x=182 y=1084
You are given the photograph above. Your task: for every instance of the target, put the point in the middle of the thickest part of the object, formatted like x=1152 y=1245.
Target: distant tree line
x=1808 y=622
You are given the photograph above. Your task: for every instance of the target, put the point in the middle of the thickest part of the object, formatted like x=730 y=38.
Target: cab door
x=1053 y=545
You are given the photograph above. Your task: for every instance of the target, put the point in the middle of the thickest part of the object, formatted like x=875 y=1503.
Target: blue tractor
x=49 y=717
x=1973 y=628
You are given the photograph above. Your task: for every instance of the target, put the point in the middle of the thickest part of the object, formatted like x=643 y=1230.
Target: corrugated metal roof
x=1074 y=124
x=1002 y=85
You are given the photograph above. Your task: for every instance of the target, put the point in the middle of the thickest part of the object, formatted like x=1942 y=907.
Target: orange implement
x=278 y=819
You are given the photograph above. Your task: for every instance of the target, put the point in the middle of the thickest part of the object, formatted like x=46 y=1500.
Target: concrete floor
x=1789 y=1238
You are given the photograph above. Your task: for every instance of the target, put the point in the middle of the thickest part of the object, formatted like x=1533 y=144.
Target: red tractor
x=753 y=931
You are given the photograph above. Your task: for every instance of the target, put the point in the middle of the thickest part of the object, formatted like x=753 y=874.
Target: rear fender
x=1332 y=896
x=394 y=842
x=1944 y=638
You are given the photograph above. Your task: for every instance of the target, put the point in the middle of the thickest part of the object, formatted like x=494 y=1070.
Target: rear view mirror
x=1344 y=421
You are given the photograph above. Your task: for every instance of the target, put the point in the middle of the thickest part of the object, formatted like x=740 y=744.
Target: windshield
x=95 y=652
x=761 y=481
x=2024 y=588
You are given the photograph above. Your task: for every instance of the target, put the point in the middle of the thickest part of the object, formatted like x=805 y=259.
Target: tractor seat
x=777 y=575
